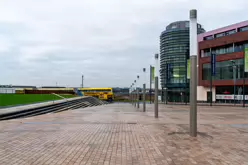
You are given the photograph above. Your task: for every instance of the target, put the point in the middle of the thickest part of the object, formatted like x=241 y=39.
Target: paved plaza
x=120 y=134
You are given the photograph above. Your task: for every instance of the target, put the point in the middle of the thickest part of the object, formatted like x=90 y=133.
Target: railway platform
x=121 y=134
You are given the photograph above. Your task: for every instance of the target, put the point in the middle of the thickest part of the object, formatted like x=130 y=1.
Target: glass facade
x=224 y=70
x=174 y=50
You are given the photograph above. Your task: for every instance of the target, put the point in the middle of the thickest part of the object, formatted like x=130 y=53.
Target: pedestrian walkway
x=117 y=134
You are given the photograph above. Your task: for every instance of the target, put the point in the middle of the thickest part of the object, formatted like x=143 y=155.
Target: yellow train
x=101 y=93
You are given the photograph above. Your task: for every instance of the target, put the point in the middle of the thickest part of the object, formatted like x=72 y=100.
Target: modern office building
x=228 y=43
x=174 y=52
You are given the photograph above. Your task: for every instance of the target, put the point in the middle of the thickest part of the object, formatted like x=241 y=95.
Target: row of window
x=174 y=60
x=176 y=81
x=222 y=34
x=175 y=50
x=174 y=42
x=180 y=49
x=224 y=70
x=225 y=49
x=168 y=46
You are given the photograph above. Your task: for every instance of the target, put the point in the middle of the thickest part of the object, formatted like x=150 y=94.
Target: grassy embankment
x=19 y=99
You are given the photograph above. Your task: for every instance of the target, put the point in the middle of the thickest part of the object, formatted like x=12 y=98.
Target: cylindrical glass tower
x=174 y=52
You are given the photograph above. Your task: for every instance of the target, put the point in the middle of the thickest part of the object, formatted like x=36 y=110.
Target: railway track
x=54 y=108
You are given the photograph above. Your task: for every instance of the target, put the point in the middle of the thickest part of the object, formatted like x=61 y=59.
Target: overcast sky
x=109 y=41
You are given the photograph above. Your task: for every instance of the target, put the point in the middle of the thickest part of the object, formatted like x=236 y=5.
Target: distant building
x=120 y=91
x=174 y=52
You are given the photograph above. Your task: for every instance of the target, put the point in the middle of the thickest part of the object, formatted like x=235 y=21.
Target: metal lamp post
x=138 y=91
x=135 y=88
x=132 y=93
x=244 y=83
x=193 y=73
x=156 y=87
x=144 y=91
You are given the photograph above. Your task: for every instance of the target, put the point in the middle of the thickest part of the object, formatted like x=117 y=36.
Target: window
x=224 y=70
x=223 y=50
x=220 y=35
x=209 y=38
x=173 y=26
x=206 y=72
x=206 y=53
x=240 y=46
x=245 y=45
x=187 y=24
x=231 y=32
x=243 y=29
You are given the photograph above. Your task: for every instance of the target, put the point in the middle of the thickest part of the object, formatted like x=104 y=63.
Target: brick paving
x=120 y=134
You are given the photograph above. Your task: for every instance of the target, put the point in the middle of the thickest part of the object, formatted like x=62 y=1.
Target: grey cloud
x=109 y=41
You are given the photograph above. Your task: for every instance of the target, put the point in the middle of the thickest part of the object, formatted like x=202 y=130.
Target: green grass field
x=18 y=99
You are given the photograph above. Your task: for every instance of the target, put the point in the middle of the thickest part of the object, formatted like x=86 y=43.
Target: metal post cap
x=193 y=13
x=156 y=56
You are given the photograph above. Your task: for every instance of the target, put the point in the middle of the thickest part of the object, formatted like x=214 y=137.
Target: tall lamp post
x=138 y=91
x=156 y=87
x=193 y=73
x=132 y=93
x=150 y=90
x=144 y=90
x=135 y=88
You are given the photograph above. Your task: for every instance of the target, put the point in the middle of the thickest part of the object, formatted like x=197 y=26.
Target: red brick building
x=228 y=43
